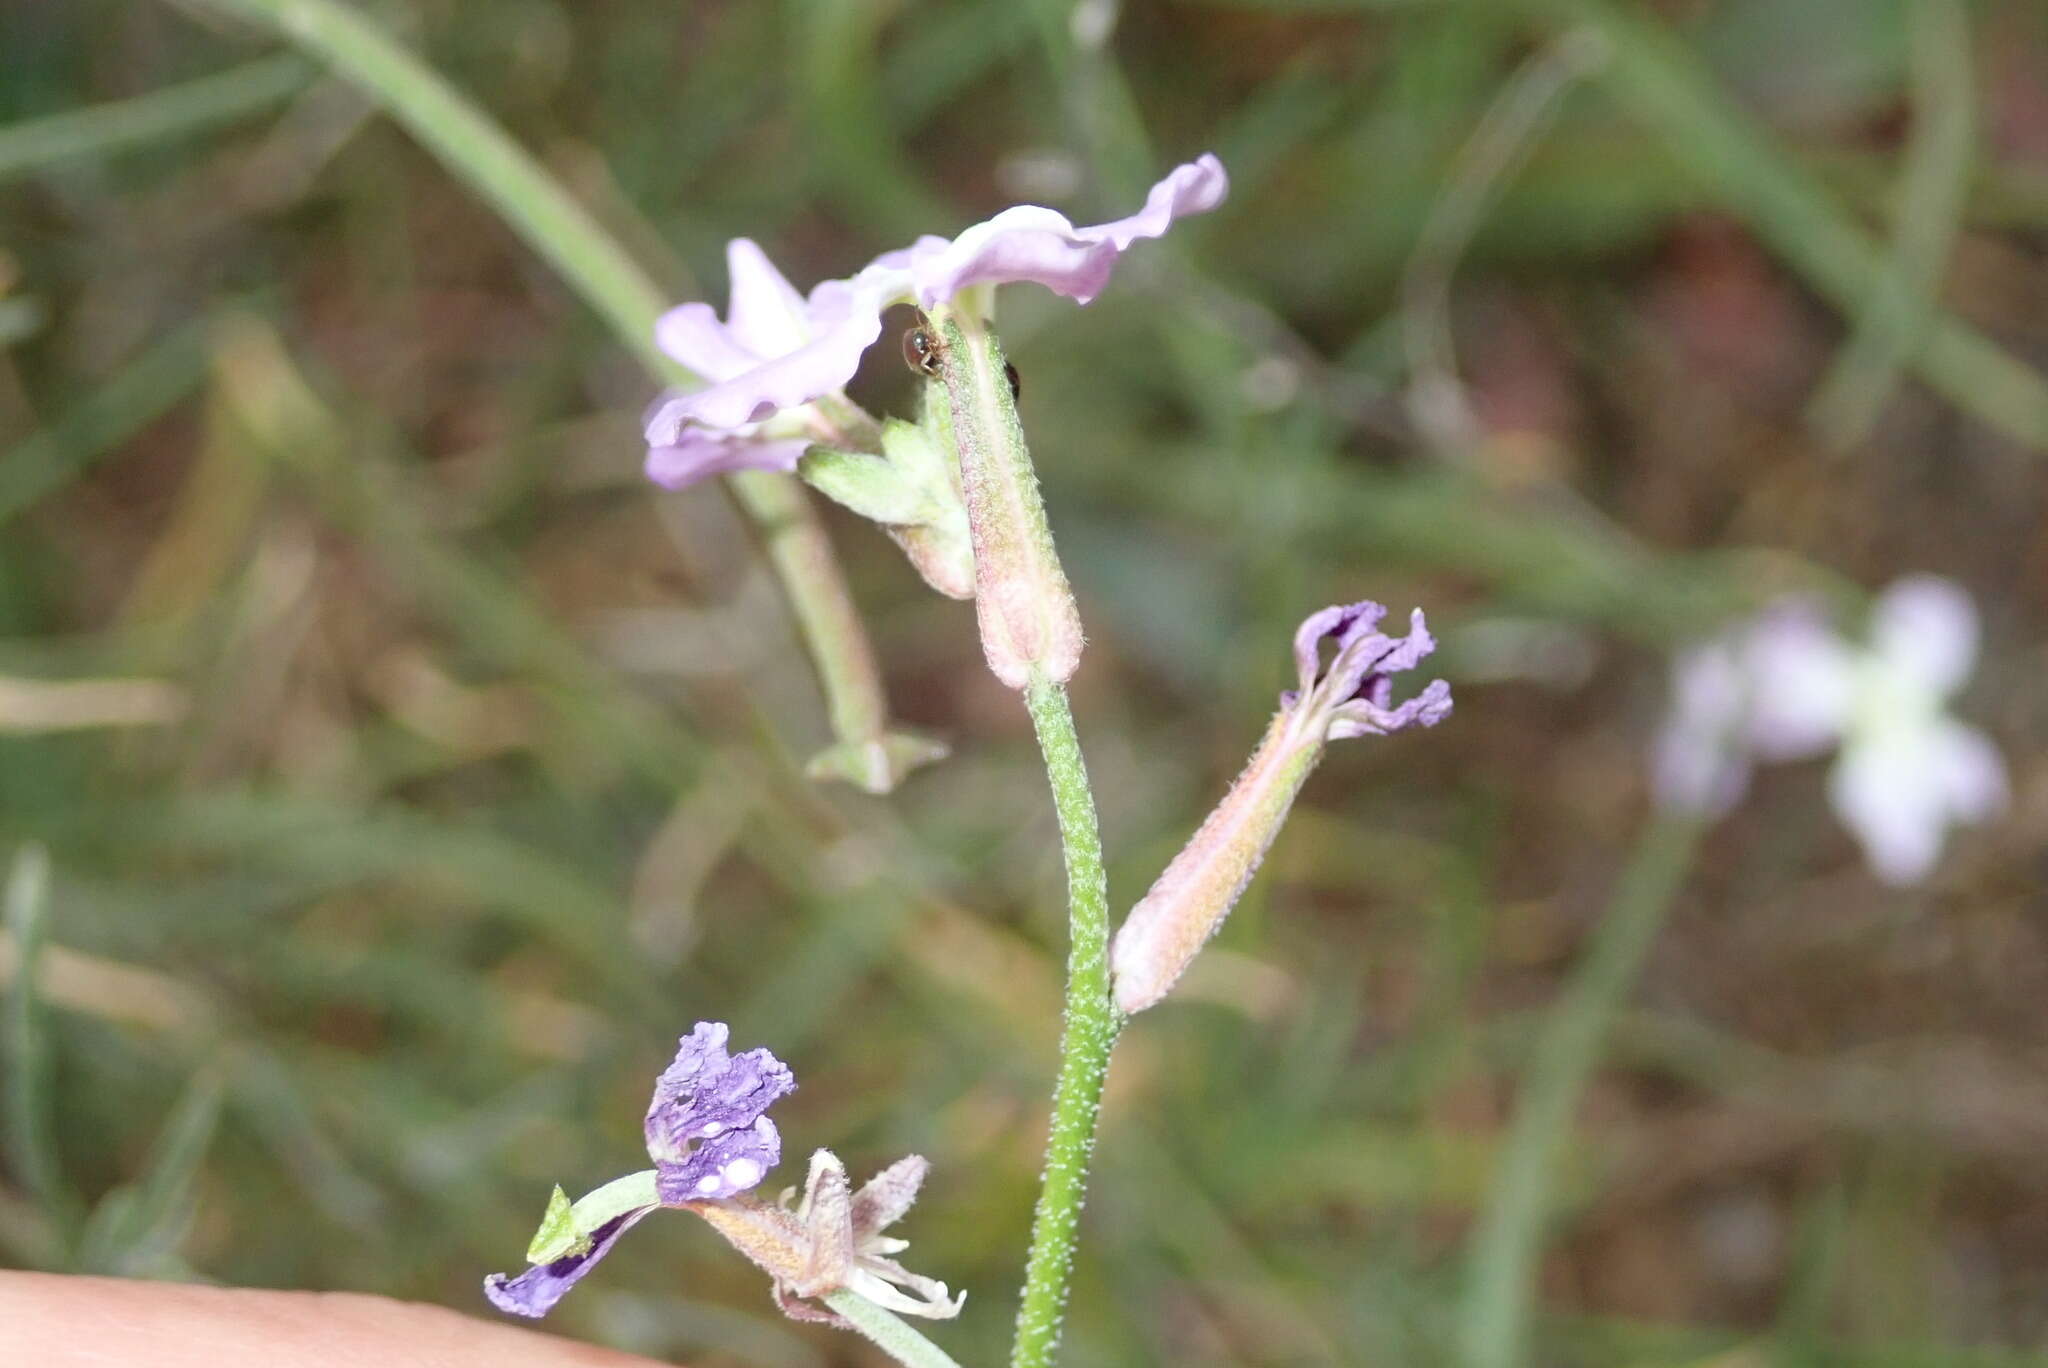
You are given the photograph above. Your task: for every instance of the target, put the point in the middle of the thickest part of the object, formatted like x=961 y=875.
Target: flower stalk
x=1089 y=1034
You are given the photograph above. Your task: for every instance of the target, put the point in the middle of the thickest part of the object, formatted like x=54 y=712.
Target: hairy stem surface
x=1090 y=1032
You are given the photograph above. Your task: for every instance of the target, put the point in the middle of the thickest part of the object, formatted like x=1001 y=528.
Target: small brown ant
x=923 y=353
x=921 y=350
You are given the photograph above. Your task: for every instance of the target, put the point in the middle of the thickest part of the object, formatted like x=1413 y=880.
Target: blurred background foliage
x=394 y=774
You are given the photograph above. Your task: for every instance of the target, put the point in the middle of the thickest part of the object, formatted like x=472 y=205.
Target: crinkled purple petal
x=1033 y=243
x=1367 y=660
x=1340 y=620
x=1357 y=687
x=699 y=453
x=1367 y=717
x=535 y=1292
x=706 y=1121
x=720 y=1166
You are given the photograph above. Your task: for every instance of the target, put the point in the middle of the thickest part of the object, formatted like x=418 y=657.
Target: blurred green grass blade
x=1653 y=74
x=1501 y=1286
x=135 y=1227
x=945 y=54
x=123 y=125
x=483 y=155
x=129 y=400
x=855 y=156
x=1513 y=123
x=30 y=1133
x=1933 y=195
x=270 y=830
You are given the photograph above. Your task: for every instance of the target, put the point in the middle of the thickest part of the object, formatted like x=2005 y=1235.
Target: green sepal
x=916 y=452
x=869 y=485
x=557 y=1233
x=566 y=1227
x=876 y=766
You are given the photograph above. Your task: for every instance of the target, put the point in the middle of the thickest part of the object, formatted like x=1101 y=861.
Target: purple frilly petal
x=1038 y=244
x=1372 y=716
x=774 y=350
x=844 y=317
x=699 y=453
x=535 y=1292
x=1358 y=684
x=706 y=1127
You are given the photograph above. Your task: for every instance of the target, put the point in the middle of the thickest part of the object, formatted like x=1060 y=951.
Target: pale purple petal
x=1697 y=765
x=1899 y=791
x=1925 y=628
x=1886 y=792
x=1033 y=243
x=848 y=327
x=694 y=336
x=1969 y=773
x=535 y=1292
x=1800 y=681
x=766 y=316
x=705 y=1127
x=774 y=350
x=699 y=453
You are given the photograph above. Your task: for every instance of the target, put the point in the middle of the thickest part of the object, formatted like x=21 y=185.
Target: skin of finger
x=67 y=1322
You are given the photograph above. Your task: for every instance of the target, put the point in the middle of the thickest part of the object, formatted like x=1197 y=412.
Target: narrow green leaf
x=31 y=1144
x=134 y=1227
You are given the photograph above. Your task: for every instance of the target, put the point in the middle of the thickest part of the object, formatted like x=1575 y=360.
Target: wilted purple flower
x=1786 y=687
x=707 y=1127
x=777 y=351
x=1350 y=696
x=710 y=1138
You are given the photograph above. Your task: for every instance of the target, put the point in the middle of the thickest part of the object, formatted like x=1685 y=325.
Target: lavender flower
x=775 y=350
x=1786 y=687
x=1350 y=696
x=778 y=361
x=710 y=1138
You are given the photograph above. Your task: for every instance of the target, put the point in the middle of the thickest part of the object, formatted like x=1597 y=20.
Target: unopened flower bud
x=1349 y=697
x=1026 y=612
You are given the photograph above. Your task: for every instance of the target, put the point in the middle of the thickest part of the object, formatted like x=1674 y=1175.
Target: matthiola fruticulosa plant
x=957 y=491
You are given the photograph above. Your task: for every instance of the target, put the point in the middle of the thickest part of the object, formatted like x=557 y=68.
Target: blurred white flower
x=1785 y=686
